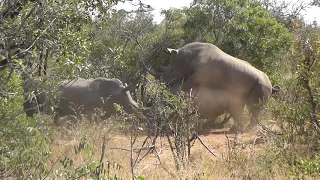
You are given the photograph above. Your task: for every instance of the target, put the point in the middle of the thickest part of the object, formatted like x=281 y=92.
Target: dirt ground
x=159 y=163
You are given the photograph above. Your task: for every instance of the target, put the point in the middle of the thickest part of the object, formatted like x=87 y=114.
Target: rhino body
x=204 y=65
x=84 y=95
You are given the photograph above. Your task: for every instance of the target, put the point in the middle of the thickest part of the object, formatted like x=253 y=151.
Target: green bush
x=24 y=148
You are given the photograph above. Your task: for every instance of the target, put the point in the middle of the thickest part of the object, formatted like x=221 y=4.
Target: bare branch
x=103 y=149
x=205 y=145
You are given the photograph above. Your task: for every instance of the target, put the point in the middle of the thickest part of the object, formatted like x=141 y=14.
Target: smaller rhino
x=89 y=94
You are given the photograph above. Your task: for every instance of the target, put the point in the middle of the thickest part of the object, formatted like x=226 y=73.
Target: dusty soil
x=159 y=163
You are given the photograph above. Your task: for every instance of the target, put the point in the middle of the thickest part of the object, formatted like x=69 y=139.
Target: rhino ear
x=173 y=51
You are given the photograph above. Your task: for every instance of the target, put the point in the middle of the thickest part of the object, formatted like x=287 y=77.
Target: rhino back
x=214 y=68
x=79 y=92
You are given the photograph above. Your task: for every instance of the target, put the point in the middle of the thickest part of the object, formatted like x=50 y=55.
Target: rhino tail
x=275 y=89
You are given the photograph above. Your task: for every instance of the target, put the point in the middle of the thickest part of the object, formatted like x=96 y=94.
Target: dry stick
x=149 y=148
x=188 y=135
x=145 y=155
x=172 y=150
x=102 y=156
x=132 y=141
x=156 y=152
x=46 y=62
x=228 y=148
x=136 y=150
x=120 y=149
x=313 y=105
x=205 y=145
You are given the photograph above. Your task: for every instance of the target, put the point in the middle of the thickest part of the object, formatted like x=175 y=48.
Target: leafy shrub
x=24 y=148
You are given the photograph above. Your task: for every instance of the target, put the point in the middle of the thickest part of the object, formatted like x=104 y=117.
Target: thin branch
x=123 y=149
x=205 y=145
x=44 y=31
x=144 y=142
x=173 y=152
x=103 y=149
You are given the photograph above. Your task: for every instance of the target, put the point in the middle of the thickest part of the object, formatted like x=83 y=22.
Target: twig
x=205 y=145
x=154 y=143
x=44 y=31
x=135 y=149
x=142 y=148
x=120 y=149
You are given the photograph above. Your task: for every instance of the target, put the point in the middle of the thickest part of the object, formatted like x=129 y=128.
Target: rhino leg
x=221 y=124
x=236 y=111
x=255 y=114
x=58 y=113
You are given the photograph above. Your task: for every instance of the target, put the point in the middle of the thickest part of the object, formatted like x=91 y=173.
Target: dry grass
x=240 y=160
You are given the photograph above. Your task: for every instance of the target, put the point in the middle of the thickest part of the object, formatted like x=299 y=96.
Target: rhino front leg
x=255 y=115
x=236 y=111
x=226 y=119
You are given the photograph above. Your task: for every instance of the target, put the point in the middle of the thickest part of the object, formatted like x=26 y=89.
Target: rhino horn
x=172 y=51
x=127 y=88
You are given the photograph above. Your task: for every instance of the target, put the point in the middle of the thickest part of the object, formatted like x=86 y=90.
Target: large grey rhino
x=89 y=94
x=205 y=65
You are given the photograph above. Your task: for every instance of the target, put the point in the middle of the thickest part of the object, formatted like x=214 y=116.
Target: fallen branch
x=137 y=150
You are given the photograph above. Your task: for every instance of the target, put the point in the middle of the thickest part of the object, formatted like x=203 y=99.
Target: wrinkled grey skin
x=205 y=65
x=94 y=93
x=33 y=104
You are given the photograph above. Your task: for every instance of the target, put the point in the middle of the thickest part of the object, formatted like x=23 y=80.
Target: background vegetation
x=49 y=41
